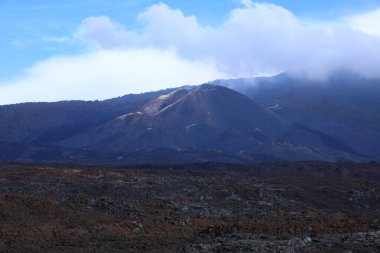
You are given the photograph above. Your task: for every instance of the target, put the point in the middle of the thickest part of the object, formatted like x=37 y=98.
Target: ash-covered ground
x=281 y=207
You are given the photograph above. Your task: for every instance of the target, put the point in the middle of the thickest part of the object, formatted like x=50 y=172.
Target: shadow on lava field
x=281 y=207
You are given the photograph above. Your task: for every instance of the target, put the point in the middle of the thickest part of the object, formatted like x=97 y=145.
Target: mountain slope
x=206 y=117
x=344 y=106
x=49 y=122
x=278 y=118
x=209 y=118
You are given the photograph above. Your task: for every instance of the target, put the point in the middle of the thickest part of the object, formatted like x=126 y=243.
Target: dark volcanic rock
x=282 y=207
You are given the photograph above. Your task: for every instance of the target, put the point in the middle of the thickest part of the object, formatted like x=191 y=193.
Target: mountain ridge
x=277 y=118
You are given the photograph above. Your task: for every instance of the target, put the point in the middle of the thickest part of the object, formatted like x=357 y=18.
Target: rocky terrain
x=279 y=207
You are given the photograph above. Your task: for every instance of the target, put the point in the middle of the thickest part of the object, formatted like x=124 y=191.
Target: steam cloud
x=256 y=39
x=173 y=49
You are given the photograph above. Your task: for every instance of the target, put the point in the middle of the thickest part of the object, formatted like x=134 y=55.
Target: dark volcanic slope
x=283 y=207
x=211 y=118
x=210 y=123
x=344 y=106
x=206 y=117
x=49 y=122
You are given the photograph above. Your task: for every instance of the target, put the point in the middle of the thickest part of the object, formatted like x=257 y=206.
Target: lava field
x=279 y=207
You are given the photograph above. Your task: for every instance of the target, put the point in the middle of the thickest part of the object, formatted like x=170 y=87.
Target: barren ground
x=282 y=207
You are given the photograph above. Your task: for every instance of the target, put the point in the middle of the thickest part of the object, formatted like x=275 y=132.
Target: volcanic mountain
x=207 y=117
x=207 y=123
x=211 y=117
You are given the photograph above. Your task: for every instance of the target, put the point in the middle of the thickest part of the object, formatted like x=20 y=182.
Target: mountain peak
x=207 y=86
x=212 y=88
x=224 y=108
x=160 y=103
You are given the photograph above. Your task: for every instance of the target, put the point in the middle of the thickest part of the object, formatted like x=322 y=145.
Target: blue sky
x=34 y=31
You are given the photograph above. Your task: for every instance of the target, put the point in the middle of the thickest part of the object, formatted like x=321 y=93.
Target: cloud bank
x=173 y=49
x=105 y=74
x=368 y=23
x=256 y=39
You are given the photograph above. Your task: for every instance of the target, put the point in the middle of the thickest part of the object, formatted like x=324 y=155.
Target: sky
x=55 y=50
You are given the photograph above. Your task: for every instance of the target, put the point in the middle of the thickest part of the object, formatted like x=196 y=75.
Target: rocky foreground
x=282 y=207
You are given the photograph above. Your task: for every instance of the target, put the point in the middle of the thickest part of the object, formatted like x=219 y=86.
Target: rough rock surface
x=283 y=207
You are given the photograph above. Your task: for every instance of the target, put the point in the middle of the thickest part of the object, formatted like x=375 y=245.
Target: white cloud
x=259 y=38
x=105 y=74
x=102 y=32
x=255 y=39
x=368 y=22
